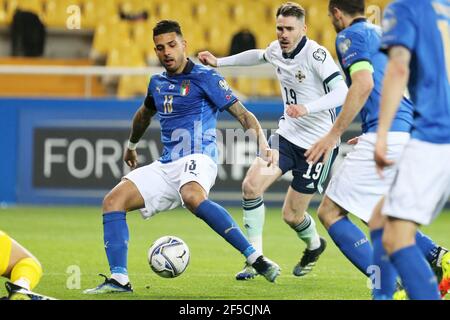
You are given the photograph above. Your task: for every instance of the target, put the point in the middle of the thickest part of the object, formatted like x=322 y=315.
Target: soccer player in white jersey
x=312 y=87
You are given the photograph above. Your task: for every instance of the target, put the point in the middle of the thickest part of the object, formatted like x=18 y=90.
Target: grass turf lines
x=68 y=240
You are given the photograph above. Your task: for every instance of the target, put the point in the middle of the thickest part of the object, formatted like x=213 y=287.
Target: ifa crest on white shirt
x=300 y=76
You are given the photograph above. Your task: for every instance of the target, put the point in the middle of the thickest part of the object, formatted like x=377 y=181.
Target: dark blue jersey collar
x=297 y=50
x=187 y=69
x=189 y=66
x=357 y=20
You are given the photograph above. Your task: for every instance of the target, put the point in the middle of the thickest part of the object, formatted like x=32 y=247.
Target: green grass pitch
x=63 y=237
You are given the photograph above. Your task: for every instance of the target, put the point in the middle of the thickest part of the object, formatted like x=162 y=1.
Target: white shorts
x=356 y=186
x=422 y=185
x=160 y=183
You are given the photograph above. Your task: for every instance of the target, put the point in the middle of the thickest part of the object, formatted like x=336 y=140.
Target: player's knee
x=192 y=201
x=192 y=195
x=327 y=214
x=112 y=202
x=388 y=242
x=322 y=213
x=291 y=217
x=250 y=190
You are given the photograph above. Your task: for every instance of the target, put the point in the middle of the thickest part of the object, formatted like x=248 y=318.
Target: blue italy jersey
x=188 y=105
x=423 y=27
x=361 y=42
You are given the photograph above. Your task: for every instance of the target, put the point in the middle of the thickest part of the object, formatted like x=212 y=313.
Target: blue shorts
x=308 y=179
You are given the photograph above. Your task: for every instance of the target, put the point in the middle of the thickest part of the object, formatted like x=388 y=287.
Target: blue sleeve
x=217 y=90
x=352 y=48
x=398 y=27
x=150 y=87
x=149 y=102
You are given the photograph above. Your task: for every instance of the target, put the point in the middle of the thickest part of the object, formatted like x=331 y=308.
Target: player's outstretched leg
x=195 y=199
x=352 y=242
x=254 y=215
x=124 y=197
x=258 y=178
x=295 y=215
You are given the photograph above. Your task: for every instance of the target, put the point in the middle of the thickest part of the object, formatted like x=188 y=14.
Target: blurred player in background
x=416 y=35
x=22 y=269
x=187 y=98
x=356 y=187
x=312 y=88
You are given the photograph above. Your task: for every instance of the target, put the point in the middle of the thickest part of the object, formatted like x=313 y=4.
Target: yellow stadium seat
x=265 y=88
x=56 y=14
x=110 y=35
x=142 y=35
x=246 y=86
x=98 y=11
x=213 y=13
x=219 y=40
x=10 y=8
x=35 y=6
x=132 y=86
x=174 y=10
x=3 y=15
x=127 y=54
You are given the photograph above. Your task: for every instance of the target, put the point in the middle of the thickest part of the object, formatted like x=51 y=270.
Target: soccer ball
x=168 y=256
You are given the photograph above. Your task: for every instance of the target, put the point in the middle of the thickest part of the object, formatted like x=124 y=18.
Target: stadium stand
x=208 y=24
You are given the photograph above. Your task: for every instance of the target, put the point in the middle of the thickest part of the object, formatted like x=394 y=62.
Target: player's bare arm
x=249 y=122
x=359 y=92
x=394 y=86
x=141 y=121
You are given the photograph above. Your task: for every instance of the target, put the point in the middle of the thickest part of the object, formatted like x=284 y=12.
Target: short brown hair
x=291 y=9
x=351 y=7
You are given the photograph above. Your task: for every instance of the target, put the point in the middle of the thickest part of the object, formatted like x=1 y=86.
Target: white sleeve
x=333 y=99
x=246 y=58
x=328 y=71
x=324 y=64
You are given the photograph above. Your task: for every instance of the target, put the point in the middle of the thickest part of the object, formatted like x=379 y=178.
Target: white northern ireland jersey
x=304 y=77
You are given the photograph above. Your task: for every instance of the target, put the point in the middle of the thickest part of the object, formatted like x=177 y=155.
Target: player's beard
x=291 y=49
x=336 y=25
x=171 y=66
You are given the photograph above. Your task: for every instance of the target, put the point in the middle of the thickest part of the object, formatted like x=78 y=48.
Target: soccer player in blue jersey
x=187 y=98
x=416 y=35
x=356 y=187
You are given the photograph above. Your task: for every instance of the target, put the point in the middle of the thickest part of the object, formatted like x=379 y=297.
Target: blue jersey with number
x=361 y=42
x=188 y=105
x=423 y=27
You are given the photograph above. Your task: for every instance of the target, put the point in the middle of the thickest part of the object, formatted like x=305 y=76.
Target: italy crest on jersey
x=185 y=87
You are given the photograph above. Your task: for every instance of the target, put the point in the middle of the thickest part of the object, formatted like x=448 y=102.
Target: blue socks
x=417 y=278
x=115 y=236
x=427 y=246
x=221 y=222
x=353 y=243
x=384 y=285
